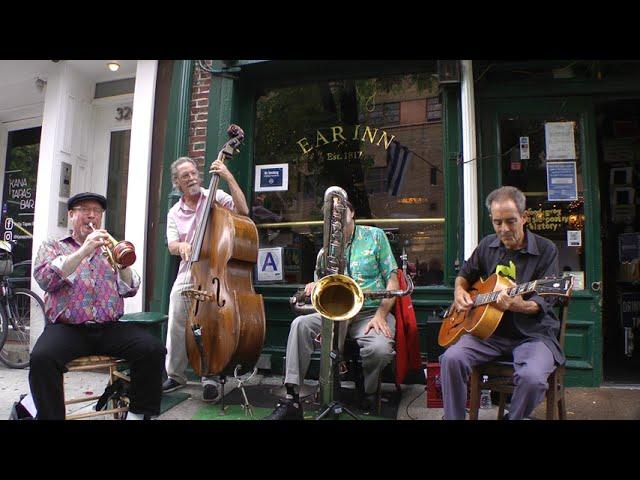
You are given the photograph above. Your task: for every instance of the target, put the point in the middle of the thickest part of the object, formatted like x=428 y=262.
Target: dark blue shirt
x=538 y=259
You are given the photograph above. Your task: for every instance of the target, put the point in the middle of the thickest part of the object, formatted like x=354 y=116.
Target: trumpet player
x=83 y=302
x=370 y=262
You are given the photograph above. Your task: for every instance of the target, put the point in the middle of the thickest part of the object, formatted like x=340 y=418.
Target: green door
x=547 y=148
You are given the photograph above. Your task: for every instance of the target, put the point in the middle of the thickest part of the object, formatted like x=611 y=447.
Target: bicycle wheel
x=4 y=328
x=24 y=307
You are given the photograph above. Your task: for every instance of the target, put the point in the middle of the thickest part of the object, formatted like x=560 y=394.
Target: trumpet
x=119 y=254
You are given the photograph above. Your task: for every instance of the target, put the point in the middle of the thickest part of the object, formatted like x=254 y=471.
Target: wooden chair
x=119 y=406
x=116 y=366
x=500 y=373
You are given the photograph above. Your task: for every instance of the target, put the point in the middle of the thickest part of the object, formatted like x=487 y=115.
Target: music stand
x=335 y=406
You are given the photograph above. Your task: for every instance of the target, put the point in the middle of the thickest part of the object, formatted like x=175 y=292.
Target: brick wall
x=198 y=114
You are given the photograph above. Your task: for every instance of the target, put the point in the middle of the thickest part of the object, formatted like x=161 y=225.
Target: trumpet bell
x=124 y=253
x=337 y=297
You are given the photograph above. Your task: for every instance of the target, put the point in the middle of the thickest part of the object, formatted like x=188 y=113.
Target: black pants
x=61 y=343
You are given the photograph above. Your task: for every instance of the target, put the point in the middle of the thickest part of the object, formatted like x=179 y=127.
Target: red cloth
x=407 y=343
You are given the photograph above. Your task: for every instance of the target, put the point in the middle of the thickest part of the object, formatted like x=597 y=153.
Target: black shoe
x=170 y=385
x=287 y=409
x=369 y=404
x=210 y=393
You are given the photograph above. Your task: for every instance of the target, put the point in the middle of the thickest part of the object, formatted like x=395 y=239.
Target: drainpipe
x=469 y=168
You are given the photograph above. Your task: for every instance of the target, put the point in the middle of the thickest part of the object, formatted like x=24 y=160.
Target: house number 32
x=123 y=113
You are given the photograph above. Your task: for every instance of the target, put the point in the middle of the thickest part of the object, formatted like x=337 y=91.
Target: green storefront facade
x=391 y=132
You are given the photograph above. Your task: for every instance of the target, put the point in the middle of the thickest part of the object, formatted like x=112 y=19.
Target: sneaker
x=210 y=393
x=170 y=385
x=287 y=409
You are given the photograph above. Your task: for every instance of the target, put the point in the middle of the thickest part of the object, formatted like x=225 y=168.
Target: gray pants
x=376 y=350
x=177 y=360
x=533 y=363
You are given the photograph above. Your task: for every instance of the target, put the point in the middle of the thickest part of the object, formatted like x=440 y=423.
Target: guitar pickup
x=199 y=295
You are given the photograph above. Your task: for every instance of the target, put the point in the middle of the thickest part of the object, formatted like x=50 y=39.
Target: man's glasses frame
x=86 y=210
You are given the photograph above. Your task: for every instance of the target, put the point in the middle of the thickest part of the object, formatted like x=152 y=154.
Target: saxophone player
x=370 y=263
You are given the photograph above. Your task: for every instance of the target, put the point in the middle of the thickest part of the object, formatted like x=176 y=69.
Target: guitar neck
x=521 y=289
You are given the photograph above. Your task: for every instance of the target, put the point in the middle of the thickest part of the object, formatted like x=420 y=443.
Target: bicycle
x=18 y=308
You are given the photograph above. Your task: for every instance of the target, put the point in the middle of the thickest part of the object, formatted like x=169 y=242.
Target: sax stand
x=330 y=393
x=223 y=380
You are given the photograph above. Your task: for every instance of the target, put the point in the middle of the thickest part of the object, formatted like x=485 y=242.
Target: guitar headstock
x=561 y=287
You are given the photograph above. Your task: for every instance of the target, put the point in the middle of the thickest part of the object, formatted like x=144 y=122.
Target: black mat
x=267 y=396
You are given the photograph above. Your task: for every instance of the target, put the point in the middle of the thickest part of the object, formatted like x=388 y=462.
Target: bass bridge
x=199 y=295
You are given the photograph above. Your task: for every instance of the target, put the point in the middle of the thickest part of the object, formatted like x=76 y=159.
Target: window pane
x=117 y=183
x=551 y=219
x=369 y=136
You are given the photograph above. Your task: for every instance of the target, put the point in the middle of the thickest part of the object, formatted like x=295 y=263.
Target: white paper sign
x=574 y=238
x=269 y=264
x=560 y=140
x=524 y=148
x=272 y=178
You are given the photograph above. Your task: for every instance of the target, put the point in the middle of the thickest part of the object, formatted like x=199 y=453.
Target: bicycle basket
x=6 y=263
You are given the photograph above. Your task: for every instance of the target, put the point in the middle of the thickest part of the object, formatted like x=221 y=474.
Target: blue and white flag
x=399 y=157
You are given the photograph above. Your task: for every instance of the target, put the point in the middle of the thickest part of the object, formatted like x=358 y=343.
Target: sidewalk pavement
x=605 y=403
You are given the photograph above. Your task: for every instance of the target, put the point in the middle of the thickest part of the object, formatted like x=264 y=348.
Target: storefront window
x=380 y=139
x=542 y=157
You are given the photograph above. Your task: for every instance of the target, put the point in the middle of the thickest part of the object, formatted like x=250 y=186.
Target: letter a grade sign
x=269 y=264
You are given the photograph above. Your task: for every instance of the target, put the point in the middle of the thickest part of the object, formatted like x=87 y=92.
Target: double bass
x=225 y=326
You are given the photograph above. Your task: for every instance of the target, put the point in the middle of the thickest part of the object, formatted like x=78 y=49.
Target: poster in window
x=272 y=178
x=561 y=181
x=560 y=140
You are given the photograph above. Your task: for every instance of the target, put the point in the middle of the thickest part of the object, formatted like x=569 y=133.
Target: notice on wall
x=562 y=185
x=574 y=238
x=269 y=264
x=560 y=140
x=272 y=178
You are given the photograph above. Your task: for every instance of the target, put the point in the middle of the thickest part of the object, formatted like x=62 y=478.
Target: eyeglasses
x=85 y=210
x=188 y=175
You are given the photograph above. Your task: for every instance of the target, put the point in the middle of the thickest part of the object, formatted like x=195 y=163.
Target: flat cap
x=79 y=197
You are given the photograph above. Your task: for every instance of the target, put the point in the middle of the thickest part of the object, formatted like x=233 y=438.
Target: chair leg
x=379 y=395
x=551 y=396
x=474 y=403
x=502 y=405
x=562 y=408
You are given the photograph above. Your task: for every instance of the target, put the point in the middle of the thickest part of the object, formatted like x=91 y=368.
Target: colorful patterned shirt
x=93 y=292
x=370 y=261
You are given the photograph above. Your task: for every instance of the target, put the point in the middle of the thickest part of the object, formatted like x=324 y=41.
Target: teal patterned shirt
x=370 y=261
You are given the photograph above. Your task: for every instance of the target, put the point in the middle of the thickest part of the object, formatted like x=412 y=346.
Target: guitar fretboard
x=521 y=289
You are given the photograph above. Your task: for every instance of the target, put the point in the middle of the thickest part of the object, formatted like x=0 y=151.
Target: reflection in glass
x=381 y=140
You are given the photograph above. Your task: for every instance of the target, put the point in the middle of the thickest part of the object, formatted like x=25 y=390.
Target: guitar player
x=529 y=327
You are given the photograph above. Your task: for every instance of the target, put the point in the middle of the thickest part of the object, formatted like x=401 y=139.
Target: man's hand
x=462 y=300
x=516 y=304
x=379 y=324
x=184 y=250
x=221 y=169
x=95 y=239
x=308 y=288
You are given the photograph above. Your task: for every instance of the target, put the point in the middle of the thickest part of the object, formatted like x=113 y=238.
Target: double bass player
x=181 y=229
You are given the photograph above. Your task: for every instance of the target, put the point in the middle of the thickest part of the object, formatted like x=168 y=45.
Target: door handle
x=595 y=286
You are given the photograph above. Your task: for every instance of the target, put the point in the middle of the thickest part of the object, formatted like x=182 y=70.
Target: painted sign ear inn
x=356 y=132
